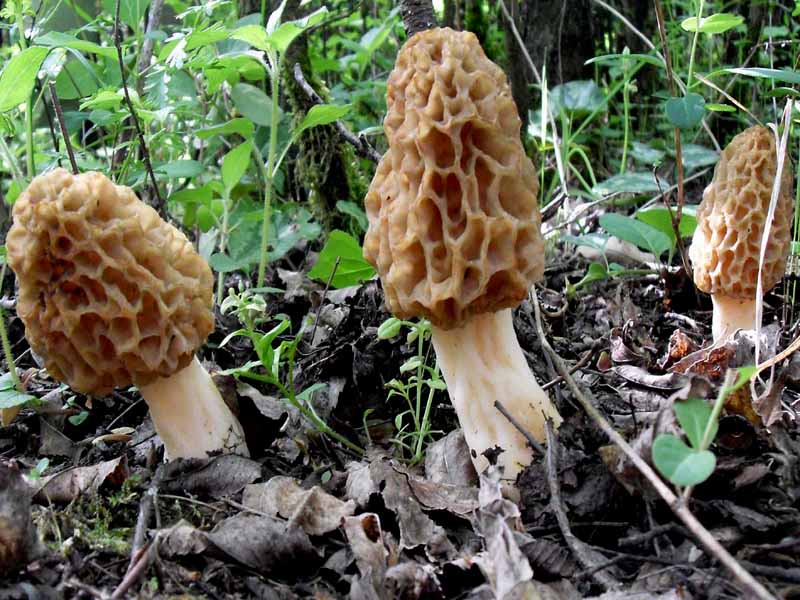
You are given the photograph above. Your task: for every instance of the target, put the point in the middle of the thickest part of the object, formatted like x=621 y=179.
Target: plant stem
x=31 y=165
x=694 y=46
x=12 y=367
x=16 y=172
x=626 y=117
x=273 y=143
x=223 y=241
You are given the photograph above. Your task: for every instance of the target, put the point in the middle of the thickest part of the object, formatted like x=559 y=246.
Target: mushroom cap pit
x=109 y=293
x=731 y=219
x=454 y=222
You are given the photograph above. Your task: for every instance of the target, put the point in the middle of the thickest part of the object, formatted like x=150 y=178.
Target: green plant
x=687 y=465
x=418 y=390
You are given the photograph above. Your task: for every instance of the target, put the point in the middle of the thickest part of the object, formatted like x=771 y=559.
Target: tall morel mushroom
x=111 y=295
x=454 y=232
x=726 y=246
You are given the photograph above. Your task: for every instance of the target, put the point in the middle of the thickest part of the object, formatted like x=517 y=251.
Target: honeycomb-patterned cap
x=732 y=216
x=454 y=223
x=109 y=293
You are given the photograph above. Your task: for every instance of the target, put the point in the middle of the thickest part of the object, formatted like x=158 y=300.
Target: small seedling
x=688 y=465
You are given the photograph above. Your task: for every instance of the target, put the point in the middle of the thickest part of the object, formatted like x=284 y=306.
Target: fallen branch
x=360 y=143
x=681 y=510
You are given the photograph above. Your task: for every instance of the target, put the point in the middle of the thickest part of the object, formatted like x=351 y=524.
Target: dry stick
x=417 y=15
x=159 y=206
x=360 y=143
x=138 y=569
x=143 y=62
x=537 y=447
x=681 y=510
x=322 y=300
x=676 y=217
x=578 y=547
x=584 y=360
x=63 y=124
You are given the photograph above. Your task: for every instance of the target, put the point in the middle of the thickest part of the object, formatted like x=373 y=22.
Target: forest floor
x=303 y=518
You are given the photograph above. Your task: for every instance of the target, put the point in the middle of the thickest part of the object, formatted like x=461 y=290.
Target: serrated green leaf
x=19 y=76
x=255 y=35
x=679 y=463
x=712 y=24
x=685 y=112
x=636 y=232
x=352 y=269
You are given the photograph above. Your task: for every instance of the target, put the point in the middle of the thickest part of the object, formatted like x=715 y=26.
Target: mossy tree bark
x=326 y=169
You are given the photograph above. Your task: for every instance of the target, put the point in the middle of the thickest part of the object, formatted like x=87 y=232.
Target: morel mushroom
x=730 y=223
x=454 y=232
x=112 y=295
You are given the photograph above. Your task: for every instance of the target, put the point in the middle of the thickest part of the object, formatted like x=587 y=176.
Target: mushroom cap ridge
x=454 y=222
x=109 y=293
x=732 y=216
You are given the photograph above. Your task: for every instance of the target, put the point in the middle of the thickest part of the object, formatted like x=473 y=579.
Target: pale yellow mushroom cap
x=454 y=223
x=732 y=216
x=109 y=293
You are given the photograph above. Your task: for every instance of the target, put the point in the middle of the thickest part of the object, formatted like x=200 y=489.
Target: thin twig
x=578 y=547
x=63 y=124
x=137 y=570
x=360 y=143
x=324 y=293
x=159 y=205
x=676 y=228
x=537 y=447
x=706 y=539
x=584 y=360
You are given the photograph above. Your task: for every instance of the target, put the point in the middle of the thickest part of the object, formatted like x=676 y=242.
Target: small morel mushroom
x=454 y=232
x=112 y=295
x=730 y=223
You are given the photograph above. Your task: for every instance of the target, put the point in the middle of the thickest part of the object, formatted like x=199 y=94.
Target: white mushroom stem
x=482 y=362
x=190 y=415
x=731 y=314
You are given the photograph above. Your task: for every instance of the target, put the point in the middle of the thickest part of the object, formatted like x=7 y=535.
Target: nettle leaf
x=686 y=112
x=57 y=39
x=712 y=24
x=9 y=396
x=783 y=75
x=285 y=34
x=322 y=114
x=243 y=127
x=252 y=103
x=659 y=217
x=636 y=232
x=680 y=464
x=630 y=183
x=255 y=35
x=353 y=267
x=235 y=165
x=19 y=76
x=693 y=415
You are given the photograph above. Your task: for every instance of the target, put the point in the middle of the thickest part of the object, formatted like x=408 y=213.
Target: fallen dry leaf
x=447 y=460
x=212 y=477
x=67 y=485
x=314 y=510
x=18 y=542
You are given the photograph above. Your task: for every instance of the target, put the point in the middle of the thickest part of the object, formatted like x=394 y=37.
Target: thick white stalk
x=482 y=362
x=191 y=417
x=731 y=314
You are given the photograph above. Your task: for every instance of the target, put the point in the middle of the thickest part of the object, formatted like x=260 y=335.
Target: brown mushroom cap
x=732 y=216
x=109 y=293
x=454 y=223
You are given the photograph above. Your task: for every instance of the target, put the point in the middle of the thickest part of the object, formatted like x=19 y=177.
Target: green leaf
x=284 y=35
x=205 y=37
x=180 y=168
x=9 y=396
x=745 y=374
x=19 y=76
x=619 y=59
x=591 y=240
x=646 y=154
x=222 y=263
x=131 y=12
x=659 y=217
x=629 y=183
x=693 y=415
x=75 y=81
x=685 y=112
x=56 y=39
x=255 y=35
x=696 y=156
x=240 y=126
x=322 y=114
x=713 y=24
x=783 y=75
x=355 y=211
x=636 y=232
x=205 y=221
x=679 y=463
x=713 y=106
x=252 y=103
x=352 y=269
x=594 y=272
x=389 y=328
x=576 y=97
x=235 y=165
